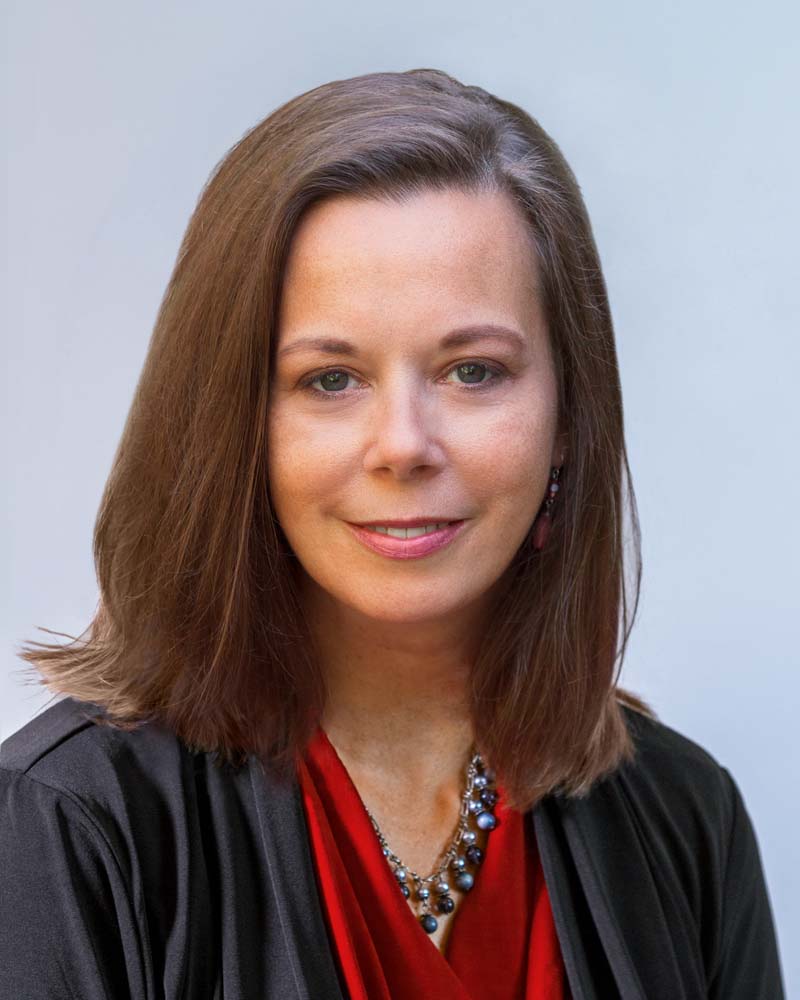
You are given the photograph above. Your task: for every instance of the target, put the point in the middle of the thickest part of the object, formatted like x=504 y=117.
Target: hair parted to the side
x=199 y=625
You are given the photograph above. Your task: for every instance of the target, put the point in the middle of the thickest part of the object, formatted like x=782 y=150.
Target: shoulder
x=671 y=758
x=74 y=732
x=674 y=801
x=59 y=724
x=71 y=754
x=660 y=746
x=667 y=814
x=100 y=801
x=673 y=777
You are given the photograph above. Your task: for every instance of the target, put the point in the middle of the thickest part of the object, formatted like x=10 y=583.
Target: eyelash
x=498 y=372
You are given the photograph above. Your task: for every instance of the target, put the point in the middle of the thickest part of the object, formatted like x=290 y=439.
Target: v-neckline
x=379 y=869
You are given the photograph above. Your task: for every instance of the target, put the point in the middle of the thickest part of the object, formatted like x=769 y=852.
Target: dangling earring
x=541 y=526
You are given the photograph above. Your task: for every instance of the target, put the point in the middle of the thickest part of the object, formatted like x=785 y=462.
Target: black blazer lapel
x=303 y=967
x=632 y=906
x=588 y=972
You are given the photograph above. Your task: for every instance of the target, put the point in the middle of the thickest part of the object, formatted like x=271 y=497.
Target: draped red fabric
x=502 y=944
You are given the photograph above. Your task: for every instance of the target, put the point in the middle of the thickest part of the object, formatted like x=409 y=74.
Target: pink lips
x=407 y=548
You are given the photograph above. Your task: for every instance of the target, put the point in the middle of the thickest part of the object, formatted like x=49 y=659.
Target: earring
x=541 y=526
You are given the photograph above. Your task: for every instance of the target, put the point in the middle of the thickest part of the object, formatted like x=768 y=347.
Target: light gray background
x=680 y=123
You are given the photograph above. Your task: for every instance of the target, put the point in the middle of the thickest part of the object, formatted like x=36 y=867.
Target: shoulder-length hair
x=198 y=625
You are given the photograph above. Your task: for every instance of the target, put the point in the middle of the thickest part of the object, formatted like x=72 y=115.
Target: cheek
x=510 y=463
x=306 y=468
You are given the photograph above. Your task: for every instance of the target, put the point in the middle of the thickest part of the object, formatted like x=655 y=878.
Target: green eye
x=333 y=381
x=474 y=372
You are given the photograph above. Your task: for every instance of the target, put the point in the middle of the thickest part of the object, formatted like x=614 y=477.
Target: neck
x=413 y=738
x=397 y=708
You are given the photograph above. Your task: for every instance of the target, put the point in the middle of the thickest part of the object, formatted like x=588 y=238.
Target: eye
x=474 y=371
x=333 y=381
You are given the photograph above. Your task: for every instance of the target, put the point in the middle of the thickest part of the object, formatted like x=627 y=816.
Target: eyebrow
x=456 y=338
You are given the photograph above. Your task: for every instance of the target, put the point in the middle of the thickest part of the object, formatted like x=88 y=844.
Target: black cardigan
x=131 y=867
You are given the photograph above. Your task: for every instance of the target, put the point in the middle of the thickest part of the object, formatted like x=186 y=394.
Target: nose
x=403 y=431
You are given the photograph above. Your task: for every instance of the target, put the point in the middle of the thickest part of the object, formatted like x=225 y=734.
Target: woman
x=347 y=721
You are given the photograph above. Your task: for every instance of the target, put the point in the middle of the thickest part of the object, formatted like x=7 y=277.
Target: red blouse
x=502 y=944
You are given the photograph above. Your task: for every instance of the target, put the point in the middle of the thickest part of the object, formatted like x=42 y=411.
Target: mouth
x=426 y=521
x=401 y=540
x=408 y=529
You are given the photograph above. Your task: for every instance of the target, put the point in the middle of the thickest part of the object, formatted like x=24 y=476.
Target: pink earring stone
x=541 y=530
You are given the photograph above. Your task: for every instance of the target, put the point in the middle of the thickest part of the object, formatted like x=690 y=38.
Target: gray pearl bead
x=486 y=821
x=469 y=837
x=464 y=881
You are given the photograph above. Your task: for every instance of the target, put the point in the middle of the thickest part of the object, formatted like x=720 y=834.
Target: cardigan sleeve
x=749 y=965
x=66 y=925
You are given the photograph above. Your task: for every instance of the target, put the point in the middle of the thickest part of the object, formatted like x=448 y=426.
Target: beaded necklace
x=480 y=780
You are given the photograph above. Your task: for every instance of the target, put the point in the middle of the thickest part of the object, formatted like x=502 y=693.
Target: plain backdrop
x=680 y=122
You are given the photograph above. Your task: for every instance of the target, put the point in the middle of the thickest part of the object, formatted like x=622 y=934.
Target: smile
x=416 y=532
x=407 y=543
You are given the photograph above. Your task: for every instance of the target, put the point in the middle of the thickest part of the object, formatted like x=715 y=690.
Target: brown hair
x=199 y=625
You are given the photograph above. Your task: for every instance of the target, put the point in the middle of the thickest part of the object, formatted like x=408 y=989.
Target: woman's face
x=396 y=423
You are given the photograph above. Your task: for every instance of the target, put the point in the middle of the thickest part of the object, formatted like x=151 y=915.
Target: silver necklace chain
x=480 y=780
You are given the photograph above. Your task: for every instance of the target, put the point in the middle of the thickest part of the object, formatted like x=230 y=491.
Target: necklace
x=478 y=800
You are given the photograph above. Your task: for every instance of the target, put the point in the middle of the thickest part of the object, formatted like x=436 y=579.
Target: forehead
x=436 y=251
